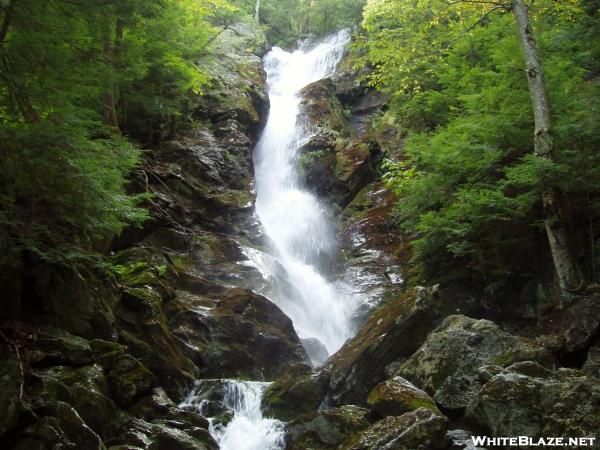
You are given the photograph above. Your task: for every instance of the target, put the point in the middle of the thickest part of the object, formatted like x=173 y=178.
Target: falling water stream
x=298 y=225
x=301 y=237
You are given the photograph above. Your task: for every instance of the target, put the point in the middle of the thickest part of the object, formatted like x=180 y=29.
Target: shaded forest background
x=87 y=85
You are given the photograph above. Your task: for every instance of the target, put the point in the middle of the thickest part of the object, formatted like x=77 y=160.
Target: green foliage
x=72 y=75
x=288 y=20
x=469 y=186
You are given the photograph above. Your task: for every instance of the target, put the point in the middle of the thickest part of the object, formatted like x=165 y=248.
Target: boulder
x=76 y=430
x=527 y=399
x=577 y=324
x=54 y=346
x=159 y=435
x=237 y=334
x=390 y=335
x=316 y=351
x=421 y=429
x=158 y=405
x=85 y=389
x=127 y=377
x=397 y=396
x=11 y=378
x=592 y=363
x=297 y=391
x=446 y=365
x=142 y=326
x=327 y=429
x=58 y=426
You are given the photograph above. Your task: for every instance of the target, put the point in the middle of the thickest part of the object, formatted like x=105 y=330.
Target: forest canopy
x=469 y=181
x=77 y=76
x=87 y=84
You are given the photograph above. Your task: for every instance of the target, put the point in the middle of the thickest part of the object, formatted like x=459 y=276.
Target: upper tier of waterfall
x=299 y=227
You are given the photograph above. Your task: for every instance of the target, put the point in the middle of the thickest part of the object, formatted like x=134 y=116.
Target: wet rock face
x=421 y=429
x=333 y=163
x=392 y=334
x=397 y=396
x=446 y=365
x=237 y=334
x=331 y=429
x=375 y=252
x=526 y=399
x=297 y=391
x=101 y=360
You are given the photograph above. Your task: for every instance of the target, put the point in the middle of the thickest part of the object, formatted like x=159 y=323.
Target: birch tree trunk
x=567 y=270
x=257 y=11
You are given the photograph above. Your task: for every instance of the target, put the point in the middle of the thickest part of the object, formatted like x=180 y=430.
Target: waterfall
x=300 y=230
x=301 y=237
x=248 y=429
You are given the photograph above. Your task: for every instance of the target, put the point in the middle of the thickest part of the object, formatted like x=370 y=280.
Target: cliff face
x=103 y=361
x=429 y=366
x=99 y=361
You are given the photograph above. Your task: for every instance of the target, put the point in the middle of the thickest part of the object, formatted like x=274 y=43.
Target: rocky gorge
x=110 y=362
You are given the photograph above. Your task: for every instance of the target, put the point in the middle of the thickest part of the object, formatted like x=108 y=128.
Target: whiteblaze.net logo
x=526 y=441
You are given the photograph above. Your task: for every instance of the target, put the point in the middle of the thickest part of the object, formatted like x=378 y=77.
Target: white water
x=302 y=241
x=299 y=228
x=248 y=430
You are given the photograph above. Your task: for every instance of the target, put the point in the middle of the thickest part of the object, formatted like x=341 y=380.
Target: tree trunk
x=257 y=11
x=567 y=270
x=109 y=104
x=7 y=13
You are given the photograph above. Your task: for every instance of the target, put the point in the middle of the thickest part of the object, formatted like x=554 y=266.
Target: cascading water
x=299 y=227
x=302 y=241
x=248 y=430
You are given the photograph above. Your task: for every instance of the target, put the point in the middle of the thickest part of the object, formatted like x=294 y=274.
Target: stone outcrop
x=526 y=399
x=390 y=335
x=104 y=362
x=421 y=429
x=332 y=429
x=447 y=364
x=335 y=163
x=297 y=391
x=236 y=334
x=397 y=396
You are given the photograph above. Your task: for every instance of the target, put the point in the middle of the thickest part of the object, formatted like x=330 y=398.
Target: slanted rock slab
x=397 y=396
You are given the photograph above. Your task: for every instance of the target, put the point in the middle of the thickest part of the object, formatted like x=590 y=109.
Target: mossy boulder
x=54 y=346
x=86 y=389
x=527 y=399
x=80 y=307
x=321 y=430
x=446 y=365
x=397 y=396
x=142 y=327
x=159 y=406
x=577 y=325
x=57 y=425
x=390 y=335
x=237 y=334
x=160 y=435
x=421 y=429
x=297 y=391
